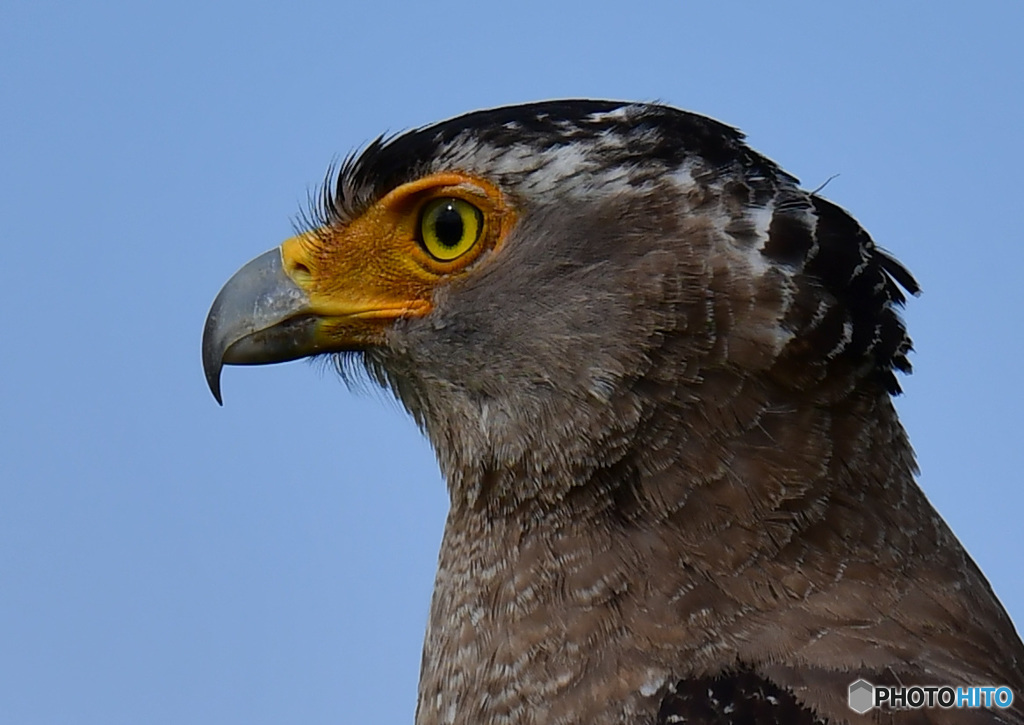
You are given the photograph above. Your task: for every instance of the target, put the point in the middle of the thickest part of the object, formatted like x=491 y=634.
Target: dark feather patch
x=867 y=282
x=741 y=697
x=860 y=320
x=790 y=239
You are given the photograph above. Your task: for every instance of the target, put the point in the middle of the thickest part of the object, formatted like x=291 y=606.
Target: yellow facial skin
x=386 y=263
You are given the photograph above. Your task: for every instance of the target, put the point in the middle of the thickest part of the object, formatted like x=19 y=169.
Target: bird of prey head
x=657 y=376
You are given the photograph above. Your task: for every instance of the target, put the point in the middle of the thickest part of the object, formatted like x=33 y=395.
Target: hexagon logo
x=862 y=696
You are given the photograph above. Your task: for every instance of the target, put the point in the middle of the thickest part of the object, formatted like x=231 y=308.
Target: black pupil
x=448 y=227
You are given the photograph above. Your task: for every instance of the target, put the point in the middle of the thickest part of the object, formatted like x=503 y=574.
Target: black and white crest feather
x=848 y=290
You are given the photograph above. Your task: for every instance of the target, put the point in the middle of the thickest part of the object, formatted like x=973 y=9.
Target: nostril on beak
x=300 y=273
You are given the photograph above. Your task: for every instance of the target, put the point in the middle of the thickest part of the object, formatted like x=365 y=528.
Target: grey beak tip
x=212 y=357
x=215 y=389
x=212 y=370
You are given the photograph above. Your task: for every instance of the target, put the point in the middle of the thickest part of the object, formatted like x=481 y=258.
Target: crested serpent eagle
x=657 y=375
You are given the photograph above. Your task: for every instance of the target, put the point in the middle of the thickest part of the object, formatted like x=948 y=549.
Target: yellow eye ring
x=449 y=227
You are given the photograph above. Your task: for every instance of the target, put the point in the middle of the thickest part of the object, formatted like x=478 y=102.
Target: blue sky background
x=164 y=560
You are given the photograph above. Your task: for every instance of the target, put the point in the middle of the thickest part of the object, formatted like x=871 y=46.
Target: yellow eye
x=449 y=228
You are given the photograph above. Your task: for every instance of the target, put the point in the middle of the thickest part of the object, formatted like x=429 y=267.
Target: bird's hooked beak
x=303 y=299
x=260 y=316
